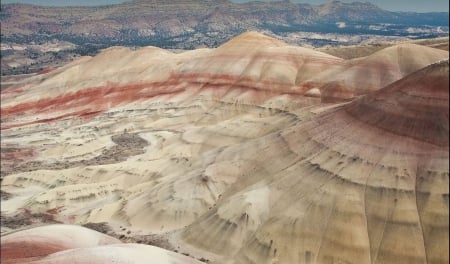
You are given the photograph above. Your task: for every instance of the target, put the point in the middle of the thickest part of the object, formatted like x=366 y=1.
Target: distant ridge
x=156 y=21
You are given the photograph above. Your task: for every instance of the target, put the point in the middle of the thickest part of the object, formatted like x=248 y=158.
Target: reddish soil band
x=46 y=70
x=14 y=251
x=95 y=100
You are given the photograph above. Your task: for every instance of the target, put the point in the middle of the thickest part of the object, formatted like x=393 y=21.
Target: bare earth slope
x=366 y=74
x=260 y=70
x=366 y=181
x=74 y=244
x=220 y=153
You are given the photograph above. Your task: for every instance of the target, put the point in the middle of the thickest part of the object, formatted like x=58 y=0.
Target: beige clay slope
x=183 y=140
x=237 y=71
x=190 y=162
x=251 y=68
x=118 y=66
x=350 y=185
x=206 y=155
x=79 y=170
x=268 y=66
x=84 y=167
x=122 y=66
x=251 y=59
x=255 y=61
x=367 y=74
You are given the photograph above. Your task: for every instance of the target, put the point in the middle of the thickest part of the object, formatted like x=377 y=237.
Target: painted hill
x=230 y=155
x=316 y=193
x=238 y=70
x=74 y=244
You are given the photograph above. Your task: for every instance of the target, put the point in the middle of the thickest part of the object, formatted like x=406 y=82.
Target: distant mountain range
x=36 y=37
x=192 y=23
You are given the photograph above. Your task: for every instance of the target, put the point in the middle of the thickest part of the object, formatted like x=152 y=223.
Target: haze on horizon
x=398 y=5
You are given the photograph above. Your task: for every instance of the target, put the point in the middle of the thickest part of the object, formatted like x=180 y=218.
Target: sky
x=392 y=5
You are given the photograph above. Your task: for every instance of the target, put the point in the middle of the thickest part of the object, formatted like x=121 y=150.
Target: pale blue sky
x=392 y=5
